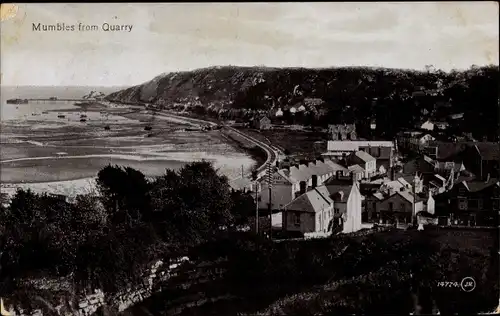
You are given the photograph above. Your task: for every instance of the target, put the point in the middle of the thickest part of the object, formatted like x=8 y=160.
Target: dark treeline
x=107 y=240
x=396 y=98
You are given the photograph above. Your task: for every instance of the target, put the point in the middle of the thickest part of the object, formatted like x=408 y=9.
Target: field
x=293 y=142
x=395 y=272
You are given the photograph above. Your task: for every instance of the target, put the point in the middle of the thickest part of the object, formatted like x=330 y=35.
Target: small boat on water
x=107 y=128
x=148 y=128
x=83 y=116
x=83 y=120
x=45 y=112
x=61 y=116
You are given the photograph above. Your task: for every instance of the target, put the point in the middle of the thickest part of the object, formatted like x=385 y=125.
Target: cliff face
x=353 y=93
x=254 y=87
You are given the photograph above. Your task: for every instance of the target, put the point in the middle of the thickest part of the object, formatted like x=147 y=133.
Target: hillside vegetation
x=395 y=97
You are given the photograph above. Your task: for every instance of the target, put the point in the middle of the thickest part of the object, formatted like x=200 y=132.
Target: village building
x=342 y=132
x=482 y=159
x=279 y=113
x=383 y=151
x=470 y=203
x=312 y=212
x=394 y=203
x=262 y=123
x=347 y=198
x=365 y=160
x=427 y=125
x=290 y=182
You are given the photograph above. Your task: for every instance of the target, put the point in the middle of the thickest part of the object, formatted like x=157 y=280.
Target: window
x=391 y=206
x=403 y=207
x=462 y=204
x=480 y=204
x=496 y=204
x=297 y=219
x=473 y=204
x=461 y=190
x=337 y=211
x=375 y=206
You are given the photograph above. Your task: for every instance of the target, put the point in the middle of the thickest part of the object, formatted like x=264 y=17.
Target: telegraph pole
x=256 y=206
x=270 y=185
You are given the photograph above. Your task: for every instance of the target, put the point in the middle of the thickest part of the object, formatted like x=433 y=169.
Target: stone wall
x=132 y=295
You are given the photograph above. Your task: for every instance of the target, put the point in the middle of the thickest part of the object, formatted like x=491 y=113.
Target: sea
x=47 y=148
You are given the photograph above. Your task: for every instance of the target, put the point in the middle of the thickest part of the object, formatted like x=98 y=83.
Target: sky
x=184 y=36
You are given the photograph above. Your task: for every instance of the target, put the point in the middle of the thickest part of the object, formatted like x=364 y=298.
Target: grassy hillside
x=393 y=96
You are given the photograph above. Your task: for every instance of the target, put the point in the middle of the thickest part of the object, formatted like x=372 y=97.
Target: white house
x=365 y=160
x=291 y=182
x=428 y=125
x=344 y=191
x=310 y=212
x=279 y=113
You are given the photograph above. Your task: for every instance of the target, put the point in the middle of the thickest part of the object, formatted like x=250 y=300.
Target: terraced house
x=290 y=182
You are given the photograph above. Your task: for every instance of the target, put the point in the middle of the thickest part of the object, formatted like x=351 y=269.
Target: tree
x=124 y=193
x=243 y=207
x=192 y=203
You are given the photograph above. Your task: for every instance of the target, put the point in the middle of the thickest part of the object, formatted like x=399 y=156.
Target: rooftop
x=477 y=185
x=312 y=201
x=366 y=157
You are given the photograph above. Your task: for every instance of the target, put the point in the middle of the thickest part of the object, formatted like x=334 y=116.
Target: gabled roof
x=366 y=157
x=478 y=185
x=240 y=183
x=335 y=166
x=488 y=150
x=356 y=169
x=334 y=186
x=311 y=202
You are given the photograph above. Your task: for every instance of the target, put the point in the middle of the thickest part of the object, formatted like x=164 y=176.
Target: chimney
x=303 y=187
x=314 y=181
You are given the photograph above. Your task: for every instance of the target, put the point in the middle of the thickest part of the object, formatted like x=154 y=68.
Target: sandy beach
x=51 y=150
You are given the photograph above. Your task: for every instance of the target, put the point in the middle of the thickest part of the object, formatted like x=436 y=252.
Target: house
x=394 y=203
x=345 y=193
x=470 y=203
x=365 y=160
x=427 y=125
x=292 y=181
x=437 y=184
x=262 y=123
x=242 y=184
x=482 y=158
x=310 y=212
x=357 y=171
x=441 y=125
x=414 y=140
x=342 y=131
x=383 y=151
x=423 y=165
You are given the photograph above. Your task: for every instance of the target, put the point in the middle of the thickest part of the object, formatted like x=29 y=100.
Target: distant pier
x=52 y=100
